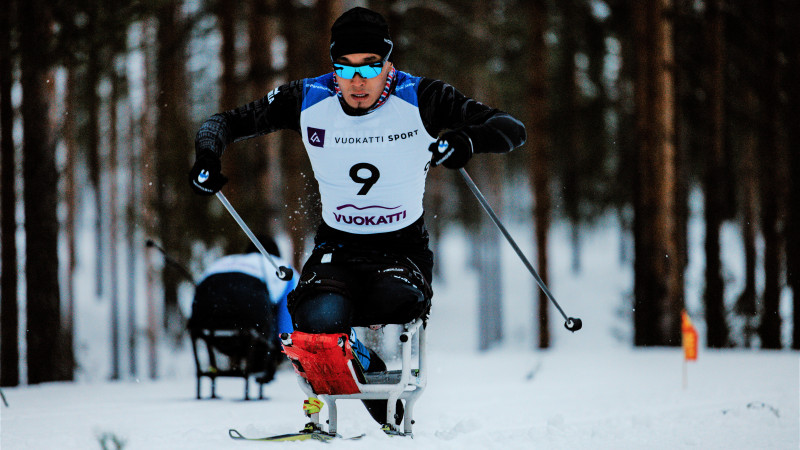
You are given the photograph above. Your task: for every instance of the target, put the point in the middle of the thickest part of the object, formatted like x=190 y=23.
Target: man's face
x=360 y=92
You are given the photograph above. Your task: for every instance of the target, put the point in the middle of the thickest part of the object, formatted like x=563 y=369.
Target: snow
x=592 y=389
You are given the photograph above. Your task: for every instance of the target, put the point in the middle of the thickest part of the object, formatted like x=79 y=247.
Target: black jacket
x=441 y=107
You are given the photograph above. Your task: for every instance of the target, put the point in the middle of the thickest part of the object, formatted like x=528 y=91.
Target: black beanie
x=360 y=30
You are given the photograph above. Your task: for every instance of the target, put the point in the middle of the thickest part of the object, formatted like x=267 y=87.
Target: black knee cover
x=402 y=302
x=325 y=312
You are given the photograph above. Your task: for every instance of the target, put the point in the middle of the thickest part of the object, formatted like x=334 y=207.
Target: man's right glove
x=206 y=175
x=452 y=150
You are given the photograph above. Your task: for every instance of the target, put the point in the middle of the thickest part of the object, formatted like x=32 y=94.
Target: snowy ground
x=575 y=399
x=590 y=391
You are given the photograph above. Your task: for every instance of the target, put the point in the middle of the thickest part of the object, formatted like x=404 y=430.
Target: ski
x=299 y=436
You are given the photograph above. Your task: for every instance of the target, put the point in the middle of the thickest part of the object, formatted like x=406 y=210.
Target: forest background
x=631 y=109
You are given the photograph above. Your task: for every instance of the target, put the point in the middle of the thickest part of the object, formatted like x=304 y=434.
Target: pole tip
x=573 y=324
x=285 y=273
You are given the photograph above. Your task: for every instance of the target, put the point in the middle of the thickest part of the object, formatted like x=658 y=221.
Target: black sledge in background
x=235 y=321
x=232 y=327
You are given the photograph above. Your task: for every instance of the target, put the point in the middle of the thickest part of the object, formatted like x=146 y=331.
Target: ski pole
x=571 y=323
x=283 y=272
x=171 y=261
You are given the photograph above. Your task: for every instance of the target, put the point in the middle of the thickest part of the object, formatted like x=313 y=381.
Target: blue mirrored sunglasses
x=371 y=70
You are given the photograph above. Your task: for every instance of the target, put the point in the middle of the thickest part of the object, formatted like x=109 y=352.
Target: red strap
x=322 y=360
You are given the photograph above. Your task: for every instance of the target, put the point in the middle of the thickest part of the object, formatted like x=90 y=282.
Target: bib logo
x=316 y=137
x=367 y=220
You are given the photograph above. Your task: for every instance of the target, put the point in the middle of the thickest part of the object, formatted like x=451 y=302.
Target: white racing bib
x=371 y=169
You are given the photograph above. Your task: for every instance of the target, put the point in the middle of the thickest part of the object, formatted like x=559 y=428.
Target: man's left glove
x=452 y=150
x=206 y=175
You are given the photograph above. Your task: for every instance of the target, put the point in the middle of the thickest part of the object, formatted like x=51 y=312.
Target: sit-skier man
x=371 y=133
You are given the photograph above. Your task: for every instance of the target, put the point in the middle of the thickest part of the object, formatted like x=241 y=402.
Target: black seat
x=234 y=353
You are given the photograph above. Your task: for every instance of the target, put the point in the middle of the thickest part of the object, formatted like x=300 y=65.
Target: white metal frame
x=406 y=384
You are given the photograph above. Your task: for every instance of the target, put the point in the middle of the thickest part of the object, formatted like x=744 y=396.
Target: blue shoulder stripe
x=317 y=89
x=406 y=87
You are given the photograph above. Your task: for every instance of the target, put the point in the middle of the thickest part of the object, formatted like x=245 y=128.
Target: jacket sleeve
x=278 y=110
x=491 y=130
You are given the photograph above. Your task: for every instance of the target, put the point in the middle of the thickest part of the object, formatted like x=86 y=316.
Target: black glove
x=206 y=175
x=452 y=150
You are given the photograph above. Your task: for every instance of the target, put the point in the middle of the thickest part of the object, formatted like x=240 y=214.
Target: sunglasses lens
x=370 y=71
x=345 y=71
x=367 y=71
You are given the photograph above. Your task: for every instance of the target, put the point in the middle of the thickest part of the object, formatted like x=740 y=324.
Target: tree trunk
x=570 y=117
x=487 y=172
x=657 y=288
x=91 y=134
x=716 y=325
x=45 y=352
x=236 y=163
x=683 y=165
x=792 y=52
x=112 y=173
x=71 y=200
x=302 y=212
x=266 y=157
x=773 y=187
x=261 y=35
x=149 y=197
x=539 y=167
x=226 y=17
x=486 y=244
x=9 y=309
x=748 y=174
x=172 y=134
x=133 y=213
x=325 y=14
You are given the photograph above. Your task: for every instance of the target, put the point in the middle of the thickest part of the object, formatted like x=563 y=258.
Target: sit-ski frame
x=389 y=385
